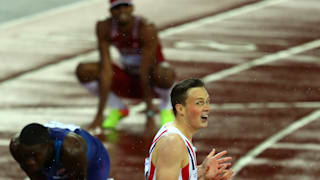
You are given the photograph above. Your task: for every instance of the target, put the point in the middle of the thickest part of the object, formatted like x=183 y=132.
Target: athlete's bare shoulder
x=103 y=27
x=171 y=147
x=171 y=139
x=74 y=143
x=148 y=32
x=146 y=23
x=73 y=153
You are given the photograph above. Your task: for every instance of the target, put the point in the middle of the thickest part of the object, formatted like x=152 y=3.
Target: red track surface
x=265 y=114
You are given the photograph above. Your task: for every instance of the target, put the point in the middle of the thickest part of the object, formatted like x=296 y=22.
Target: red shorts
x=129 y=85
x=125 y=84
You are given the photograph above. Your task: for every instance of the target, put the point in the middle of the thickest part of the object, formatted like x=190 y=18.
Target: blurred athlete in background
x=142 y=73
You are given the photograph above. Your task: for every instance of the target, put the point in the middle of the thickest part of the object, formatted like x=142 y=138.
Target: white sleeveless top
x=189 y=172
x=55 y=124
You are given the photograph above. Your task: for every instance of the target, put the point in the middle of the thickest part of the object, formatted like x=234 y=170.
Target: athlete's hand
x=214 y=166
x=227 y=174
x=95 y=127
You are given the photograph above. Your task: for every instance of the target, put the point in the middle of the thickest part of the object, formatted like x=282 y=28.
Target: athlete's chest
x=126 y=41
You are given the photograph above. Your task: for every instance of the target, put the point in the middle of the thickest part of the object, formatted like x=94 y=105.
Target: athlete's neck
x=126 y=27
x=185 y=129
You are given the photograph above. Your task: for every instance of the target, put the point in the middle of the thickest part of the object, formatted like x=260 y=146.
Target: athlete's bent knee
x=86 y=72
x=164 y=76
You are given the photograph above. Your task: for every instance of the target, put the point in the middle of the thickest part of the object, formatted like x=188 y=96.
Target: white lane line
x=219 y=17
x=245 y=160
x=268 y=105
x=4 y=142
x=51 y=12
x=263 y=60
x=222 y=46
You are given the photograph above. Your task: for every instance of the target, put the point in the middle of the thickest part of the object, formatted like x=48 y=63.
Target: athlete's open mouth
x=204 y=117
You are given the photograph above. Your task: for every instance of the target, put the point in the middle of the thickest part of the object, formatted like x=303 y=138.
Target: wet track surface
x=260 y=62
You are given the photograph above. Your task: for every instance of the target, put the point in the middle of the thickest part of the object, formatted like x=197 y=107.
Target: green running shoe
x=166 y=116
x=114 y=117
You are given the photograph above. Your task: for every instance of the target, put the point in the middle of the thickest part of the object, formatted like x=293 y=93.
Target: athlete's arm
x=149 y=38
x=73 y=157
x=105 y=69
x=14 y=150
x=169 y=157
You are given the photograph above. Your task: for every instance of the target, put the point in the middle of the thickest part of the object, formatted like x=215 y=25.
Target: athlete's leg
x=87 y=72
x=163 y=78
x=88 y=75
x=118 y=110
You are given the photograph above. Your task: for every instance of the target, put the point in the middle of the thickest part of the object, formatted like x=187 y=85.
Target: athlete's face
x=122 y=13
x=197 y=107
x=34 y=157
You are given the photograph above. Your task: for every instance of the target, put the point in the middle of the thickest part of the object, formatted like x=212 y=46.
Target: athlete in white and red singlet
x=172 y=155
x=189 y=172
x=130 y=46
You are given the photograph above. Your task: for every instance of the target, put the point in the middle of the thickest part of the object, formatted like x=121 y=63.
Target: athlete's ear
x=180 y=109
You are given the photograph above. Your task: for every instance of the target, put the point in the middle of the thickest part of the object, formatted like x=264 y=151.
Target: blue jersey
x=97 y=156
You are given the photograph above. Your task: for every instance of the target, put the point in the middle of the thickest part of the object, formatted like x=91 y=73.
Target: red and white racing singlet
x=189 y=172
x=130 y=46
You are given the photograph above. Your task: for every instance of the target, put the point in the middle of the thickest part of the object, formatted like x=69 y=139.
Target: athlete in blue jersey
x=58 y=151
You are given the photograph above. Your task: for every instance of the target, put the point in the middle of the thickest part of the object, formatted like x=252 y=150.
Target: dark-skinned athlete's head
x=35 y=146
x=114 y=3
x=121 y=11
x=33 y=134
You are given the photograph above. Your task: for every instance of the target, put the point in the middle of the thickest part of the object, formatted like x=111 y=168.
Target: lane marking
x=222 y=46
x=261 y=61
x=4 y=142
x=245 y=160
x=219 y=17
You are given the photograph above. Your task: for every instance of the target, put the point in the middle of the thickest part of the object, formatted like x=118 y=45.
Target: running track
x=259 y=59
